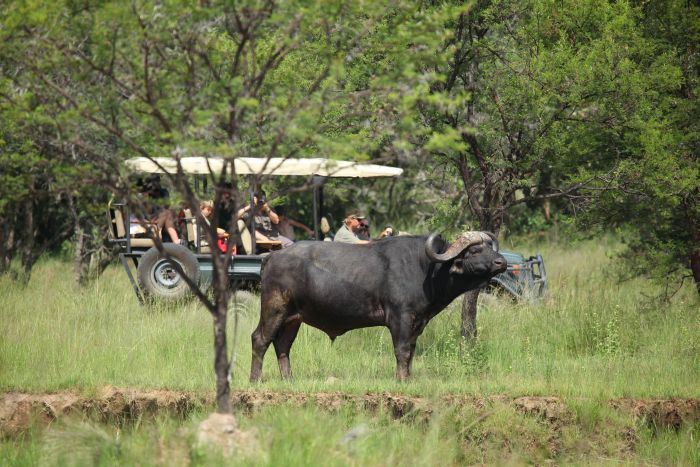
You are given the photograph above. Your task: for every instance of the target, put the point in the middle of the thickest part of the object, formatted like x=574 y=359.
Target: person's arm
x=387 y=232
x=243 y=210
x=299 y=225
x=260 y=237
x=273 y=215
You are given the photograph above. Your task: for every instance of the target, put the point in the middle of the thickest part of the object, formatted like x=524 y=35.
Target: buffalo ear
x=457 y=266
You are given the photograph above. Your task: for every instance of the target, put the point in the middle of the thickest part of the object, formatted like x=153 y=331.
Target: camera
x=262 y=199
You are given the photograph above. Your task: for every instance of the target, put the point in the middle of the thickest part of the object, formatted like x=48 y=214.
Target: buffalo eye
x=474 y=250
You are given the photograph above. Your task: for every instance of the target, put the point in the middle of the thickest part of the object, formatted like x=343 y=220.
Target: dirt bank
x=117 y=405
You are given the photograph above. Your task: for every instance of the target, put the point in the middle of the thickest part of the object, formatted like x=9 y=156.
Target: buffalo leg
x=261 y=339
x=404 y=335
x=404 y=353
x=410 y=357
x=273 y=310
x=283 y=343
x=401 y=337
x=403 y=361
x=260 y=345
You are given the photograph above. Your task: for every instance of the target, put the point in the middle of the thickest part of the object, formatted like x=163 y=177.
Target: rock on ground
x=220 y=432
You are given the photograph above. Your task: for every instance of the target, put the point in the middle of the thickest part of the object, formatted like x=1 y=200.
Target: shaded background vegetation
x=506 y=115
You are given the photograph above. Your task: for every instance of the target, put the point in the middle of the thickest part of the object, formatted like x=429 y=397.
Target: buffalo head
x=474 y=253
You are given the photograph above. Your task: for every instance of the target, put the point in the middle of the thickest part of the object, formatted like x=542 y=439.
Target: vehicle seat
x=118 y=229
x=246 y=239
x=193 y=233
x=326 y=230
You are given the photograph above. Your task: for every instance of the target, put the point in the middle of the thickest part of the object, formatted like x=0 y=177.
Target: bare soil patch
x=19 y=410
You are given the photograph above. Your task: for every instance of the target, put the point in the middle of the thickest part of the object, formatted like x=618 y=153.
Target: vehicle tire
x=159 y=279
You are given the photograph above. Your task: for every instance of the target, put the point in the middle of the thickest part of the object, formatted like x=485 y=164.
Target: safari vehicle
x=156 y=277
x=524 y=278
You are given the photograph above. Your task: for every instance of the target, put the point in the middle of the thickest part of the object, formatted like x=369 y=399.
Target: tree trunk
x=221 y=363
x=221 y=360
x=78 y=254
x=469 y=314
x=471 y=298
x=694 y=231
x=10 y=246
x=78 y=243
x=28 y=253
x=695 y=267
x=4 y=262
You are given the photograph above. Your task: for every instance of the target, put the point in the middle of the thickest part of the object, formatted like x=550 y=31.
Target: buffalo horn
x=494 y=240
x=463 y=242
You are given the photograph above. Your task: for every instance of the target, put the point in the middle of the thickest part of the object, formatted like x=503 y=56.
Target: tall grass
x=307 y=436
x=592 y=336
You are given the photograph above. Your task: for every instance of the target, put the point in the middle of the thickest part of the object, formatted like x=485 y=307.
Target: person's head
x=353 y=220
x=259 y=198
x=207 y=208
x=226 y=192
x=153 y=186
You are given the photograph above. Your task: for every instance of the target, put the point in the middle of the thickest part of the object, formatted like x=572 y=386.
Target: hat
x=355 y=214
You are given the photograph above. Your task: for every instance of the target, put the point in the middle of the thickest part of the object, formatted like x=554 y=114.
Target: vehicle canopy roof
x=264 y=166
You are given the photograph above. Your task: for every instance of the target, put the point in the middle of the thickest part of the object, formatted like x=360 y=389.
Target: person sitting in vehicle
x=225 y=209
x=388 y=232
x=159 y=214
x=207 y=209
x=363 y=230
x=286 y=225
x=266 y=220
x=352 y=225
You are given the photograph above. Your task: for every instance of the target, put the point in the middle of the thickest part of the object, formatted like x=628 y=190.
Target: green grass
x=591 y=337
x=303 y=436
x=590 y=340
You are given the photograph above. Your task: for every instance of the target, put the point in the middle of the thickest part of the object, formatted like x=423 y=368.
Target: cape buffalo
x=398 y=282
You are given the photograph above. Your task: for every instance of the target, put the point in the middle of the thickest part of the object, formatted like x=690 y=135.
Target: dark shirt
x=264 y=225
x=224 y=214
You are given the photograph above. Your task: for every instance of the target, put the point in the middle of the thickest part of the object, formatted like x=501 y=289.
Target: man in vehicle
x=348 y=232
x=287 y=225
x=266 y=220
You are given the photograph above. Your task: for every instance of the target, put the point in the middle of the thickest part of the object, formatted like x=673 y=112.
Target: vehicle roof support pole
x=317 y=182
x=251 y=220
x=125 y=264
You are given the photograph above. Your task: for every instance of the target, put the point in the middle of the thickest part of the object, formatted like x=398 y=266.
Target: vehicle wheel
x=158 y=277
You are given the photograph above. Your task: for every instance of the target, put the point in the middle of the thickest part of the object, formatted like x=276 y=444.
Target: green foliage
x=490 y=105
x=651 y=186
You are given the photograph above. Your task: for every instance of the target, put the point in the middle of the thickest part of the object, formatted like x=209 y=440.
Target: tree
x=154 y=79
x=653 y=191
x=535 y=88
